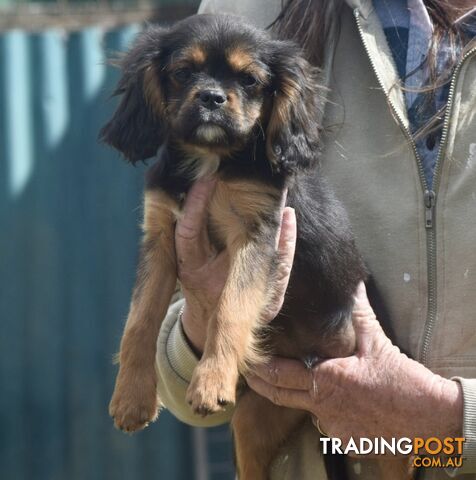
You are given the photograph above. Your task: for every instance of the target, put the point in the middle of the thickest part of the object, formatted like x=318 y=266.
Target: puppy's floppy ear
x=293 y=128
x=138 y=125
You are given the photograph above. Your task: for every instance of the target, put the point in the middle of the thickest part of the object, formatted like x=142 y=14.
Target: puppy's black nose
x=212 y=98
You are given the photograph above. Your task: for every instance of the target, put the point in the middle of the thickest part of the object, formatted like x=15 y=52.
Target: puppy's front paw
x=211 y=389
x=134 y=403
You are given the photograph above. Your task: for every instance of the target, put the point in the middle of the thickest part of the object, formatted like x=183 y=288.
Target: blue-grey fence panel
x=69 y=215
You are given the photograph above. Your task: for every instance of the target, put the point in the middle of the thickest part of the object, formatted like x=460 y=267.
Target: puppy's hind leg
x=135 y=402
x=260 y=428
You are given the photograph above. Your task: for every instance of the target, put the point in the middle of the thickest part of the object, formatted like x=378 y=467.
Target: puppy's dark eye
x=248 y=80
x=183 y=74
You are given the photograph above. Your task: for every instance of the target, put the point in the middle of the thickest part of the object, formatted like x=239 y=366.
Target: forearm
x=175 y=364
x=194 y=331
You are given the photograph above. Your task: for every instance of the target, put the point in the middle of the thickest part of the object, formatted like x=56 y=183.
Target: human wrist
x=448 y=412
x=194 y=333
x=436 y=403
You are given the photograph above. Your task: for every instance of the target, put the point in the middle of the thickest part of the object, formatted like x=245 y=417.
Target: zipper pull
x=430 y=198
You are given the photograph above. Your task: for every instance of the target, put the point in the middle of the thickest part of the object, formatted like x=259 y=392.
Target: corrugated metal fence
x=69 y=210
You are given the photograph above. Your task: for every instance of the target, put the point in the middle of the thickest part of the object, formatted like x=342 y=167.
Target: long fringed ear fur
x=293 y=127
x=138 y=125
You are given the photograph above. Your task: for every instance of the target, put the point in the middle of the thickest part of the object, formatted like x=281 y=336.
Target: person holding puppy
x=398 y=149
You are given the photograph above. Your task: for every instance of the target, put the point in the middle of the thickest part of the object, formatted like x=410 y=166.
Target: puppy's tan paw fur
x=134 y=403
x=211 y=388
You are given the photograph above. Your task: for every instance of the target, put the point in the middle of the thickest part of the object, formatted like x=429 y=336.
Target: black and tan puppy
x=222 y=98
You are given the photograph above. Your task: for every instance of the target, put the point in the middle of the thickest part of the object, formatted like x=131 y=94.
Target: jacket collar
x=380 y=56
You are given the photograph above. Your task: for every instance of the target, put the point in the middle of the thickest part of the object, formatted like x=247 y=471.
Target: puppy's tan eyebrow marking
x=195 y=54
x=241 y=60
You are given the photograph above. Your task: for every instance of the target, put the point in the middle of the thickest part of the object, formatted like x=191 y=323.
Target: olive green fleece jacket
x=422 y=258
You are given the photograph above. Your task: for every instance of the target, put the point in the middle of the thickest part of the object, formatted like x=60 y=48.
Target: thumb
x=368 y=331
x=286 y=249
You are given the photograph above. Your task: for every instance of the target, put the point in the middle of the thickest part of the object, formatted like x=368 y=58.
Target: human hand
x=377 y=392
x=203 y=272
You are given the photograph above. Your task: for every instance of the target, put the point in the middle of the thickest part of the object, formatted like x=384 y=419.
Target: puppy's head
x=213 y=83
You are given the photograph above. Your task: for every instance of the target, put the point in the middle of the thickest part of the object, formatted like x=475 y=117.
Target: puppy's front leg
x=248 y=217
x=135 y=402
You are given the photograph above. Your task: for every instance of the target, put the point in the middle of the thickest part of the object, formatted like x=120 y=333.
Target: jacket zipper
x=429 y=195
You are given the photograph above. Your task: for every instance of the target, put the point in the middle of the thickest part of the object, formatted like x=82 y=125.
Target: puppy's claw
x=203 y=411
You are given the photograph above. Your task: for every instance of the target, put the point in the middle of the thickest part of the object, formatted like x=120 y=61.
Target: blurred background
x=69 y=215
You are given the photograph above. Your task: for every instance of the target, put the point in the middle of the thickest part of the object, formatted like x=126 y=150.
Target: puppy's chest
x=243 y=210
x=245 y=202
x=238 y=211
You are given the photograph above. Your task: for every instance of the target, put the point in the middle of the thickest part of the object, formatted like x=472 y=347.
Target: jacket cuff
x=469 y=428
x=181 y=357
x=175 y=363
